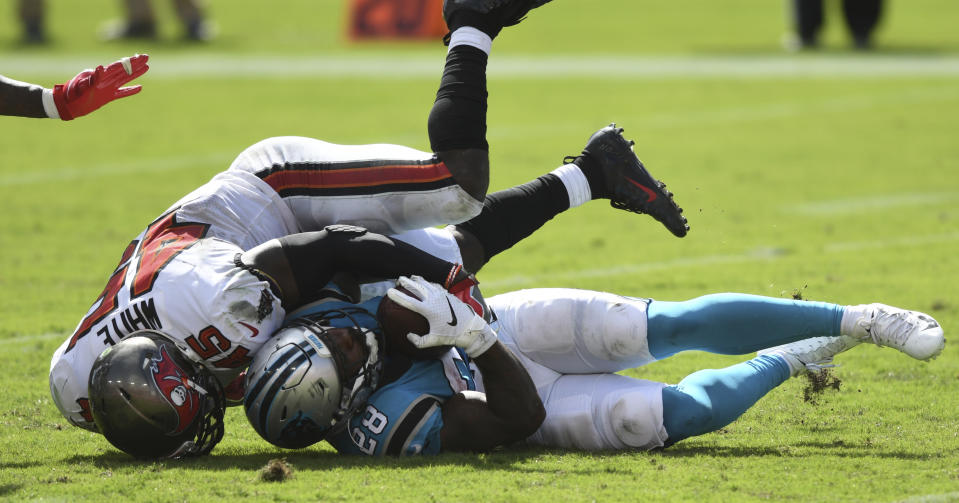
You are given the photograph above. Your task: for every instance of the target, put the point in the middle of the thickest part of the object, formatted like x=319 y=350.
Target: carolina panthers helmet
x=151 y=401
x=302 y=386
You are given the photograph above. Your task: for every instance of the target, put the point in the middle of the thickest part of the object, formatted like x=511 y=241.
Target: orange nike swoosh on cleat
x=647 y=190
x=256 y=332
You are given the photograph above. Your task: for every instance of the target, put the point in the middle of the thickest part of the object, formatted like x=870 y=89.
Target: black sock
x=458 y=117
x=511 y=215
x=482 y=22
x=594 y=176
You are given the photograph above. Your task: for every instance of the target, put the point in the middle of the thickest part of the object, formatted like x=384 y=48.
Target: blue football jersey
x=403 y=416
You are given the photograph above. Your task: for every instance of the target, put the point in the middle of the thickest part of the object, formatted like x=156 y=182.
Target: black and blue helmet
x=301 y=387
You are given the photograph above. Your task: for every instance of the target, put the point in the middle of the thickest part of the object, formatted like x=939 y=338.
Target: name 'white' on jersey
x=179 y=277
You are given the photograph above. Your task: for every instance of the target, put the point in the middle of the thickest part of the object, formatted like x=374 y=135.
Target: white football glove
x=452 y=323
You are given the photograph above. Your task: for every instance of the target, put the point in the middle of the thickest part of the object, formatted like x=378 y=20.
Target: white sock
x=467 y=35
x=577 y=187
x=850 y=316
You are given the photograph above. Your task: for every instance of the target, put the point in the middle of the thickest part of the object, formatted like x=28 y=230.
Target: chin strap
x=355 y=397
x=211 y=427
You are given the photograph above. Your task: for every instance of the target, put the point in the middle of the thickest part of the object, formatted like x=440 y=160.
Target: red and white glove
x=452 y=322
x=91 y=89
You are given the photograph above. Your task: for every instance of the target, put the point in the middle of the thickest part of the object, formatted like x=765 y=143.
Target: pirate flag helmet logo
x=181 y=392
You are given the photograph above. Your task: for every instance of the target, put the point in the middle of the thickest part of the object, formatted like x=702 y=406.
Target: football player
x=88 y=91
x=544 y=370
x=216 y=273
x=197 y=280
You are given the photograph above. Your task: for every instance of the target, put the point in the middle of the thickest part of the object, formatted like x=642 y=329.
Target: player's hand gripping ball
x=397 y=321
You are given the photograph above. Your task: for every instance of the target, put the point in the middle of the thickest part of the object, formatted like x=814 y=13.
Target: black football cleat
x=488 y=15
x=628 y=185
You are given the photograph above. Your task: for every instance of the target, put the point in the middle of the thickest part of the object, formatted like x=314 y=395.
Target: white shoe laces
x=821 y=356
x=889 y=328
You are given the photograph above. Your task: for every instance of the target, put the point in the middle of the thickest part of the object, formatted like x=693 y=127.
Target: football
x=397 y=321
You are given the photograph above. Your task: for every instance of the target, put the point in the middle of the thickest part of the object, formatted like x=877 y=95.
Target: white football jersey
x=179 y=277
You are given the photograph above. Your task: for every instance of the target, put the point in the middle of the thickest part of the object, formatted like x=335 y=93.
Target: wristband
x=49 y=106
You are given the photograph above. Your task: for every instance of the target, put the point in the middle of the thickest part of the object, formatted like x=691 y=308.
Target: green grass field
x=832 y=175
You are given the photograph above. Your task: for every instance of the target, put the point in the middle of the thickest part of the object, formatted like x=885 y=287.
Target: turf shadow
x=312 y=460
x=18 y=464
x=9 y=488
x=836 y=448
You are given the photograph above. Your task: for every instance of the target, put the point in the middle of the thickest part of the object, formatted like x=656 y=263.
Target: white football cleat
x=914 y=333
x=811 y=354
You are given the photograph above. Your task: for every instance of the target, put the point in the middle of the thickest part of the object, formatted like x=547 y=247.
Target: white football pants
x=385 y=188
x=571 y=343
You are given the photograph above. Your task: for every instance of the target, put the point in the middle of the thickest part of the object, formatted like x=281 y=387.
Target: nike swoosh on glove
x=452 y=323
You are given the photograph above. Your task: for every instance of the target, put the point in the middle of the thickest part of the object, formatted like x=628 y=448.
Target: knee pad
x=602 y=412
x=576 y=331
x=616 y=330
x=635 y=416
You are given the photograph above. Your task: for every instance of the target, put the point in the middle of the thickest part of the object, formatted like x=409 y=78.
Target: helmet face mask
x=151 y=401
x=303 y=385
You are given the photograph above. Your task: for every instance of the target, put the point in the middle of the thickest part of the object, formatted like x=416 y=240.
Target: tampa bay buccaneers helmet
x=151 y=401
x=306 y=382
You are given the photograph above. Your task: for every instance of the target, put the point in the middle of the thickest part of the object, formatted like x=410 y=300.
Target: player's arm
x=508 y=412
x=299 y=265
x=88 y=91
x=511 y=409
x=20 y=98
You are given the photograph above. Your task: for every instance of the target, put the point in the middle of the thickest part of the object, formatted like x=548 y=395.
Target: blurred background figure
x=31 y=13
x=141 y=22
x=862 y=17
x=396 y=19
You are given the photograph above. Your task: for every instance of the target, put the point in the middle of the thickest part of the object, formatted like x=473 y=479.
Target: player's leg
x=610 y=411
x=731 y=323
x=578 y=331
x=457 y=121
x=808 y=18
x=590 y=411
x=195 y=26
x=508 y=216
x=386 y=188
x=574 y=331
x=32 y=18
x=605 y=170
x=709 y=399
x=602 y=412
x=511 y=215
x=862 y=17
x=735 y=324
x=139 y=22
